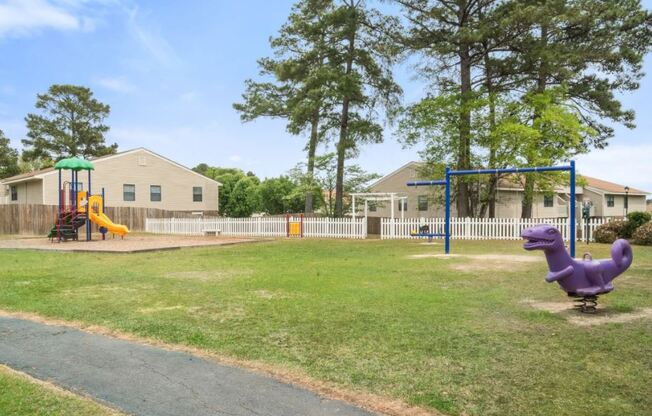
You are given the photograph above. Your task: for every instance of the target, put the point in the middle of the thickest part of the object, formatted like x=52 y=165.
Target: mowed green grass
x=456 y=335
x=22 y=397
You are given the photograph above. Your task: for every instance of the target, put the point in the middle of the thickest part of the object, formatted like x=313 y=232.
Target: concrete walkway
x=144 y=380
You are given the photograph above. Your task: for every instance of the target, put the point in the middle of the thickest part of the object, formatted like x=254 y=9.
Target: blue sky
x=172 y=69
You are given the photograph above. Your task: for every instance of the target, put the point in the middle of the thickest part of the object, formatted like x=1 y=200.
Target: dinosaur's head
x=542 y=237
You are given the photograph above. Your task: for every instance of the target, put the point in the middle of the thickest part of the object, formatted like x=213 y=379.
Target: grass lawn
x=456 y=335
x=22 y=396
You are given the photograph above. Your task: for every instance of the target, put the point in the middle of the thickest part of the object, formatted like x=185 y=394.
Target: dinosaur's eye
x=552 y=231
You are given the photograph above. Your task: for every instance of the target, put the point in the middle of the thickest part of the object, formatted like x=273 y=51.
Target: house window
x=372 y=206
x=197 y=194
x=548 y=201
x=402 y=205
x=155 y=193
x=129 y=192
x=611 y=201
x=423 y=202
x=14 y=193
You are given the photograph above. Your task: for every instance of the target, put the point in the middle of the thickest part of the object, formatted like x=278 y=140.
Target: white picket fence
x=335 y=228
x=481 y=228
x=258 y=227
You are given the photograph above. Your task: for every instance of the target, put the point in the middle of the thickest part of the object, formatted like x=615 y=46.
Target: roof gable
x=39 y=174
x=606 y=187
x=394 y=173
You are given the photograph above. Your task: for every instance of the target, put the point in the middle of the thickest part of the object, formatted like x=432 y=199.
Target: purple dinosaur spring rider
x=582 y=279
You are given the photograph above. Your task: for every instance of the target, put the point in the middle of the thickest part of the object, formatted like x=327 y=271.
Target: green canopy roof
x=74 y=163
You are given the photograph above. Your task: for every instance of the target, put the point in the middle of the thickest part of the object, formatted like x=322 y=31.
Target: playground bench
x=211 y=231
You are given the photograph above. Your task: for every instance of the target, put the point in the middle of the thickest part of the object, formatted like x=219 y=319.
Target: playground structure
x=376 y=197
x=447 y=184
x=78 y=208
x=583 y=279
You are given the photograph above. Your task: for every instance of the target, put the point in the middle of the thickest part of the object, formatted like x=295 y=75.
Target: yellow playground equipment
x=94 y=206
x=78 y=208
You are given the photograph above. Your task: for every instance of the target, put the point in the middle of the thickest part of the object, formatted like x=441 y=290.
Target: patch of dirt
x=156 y=309
x=266 y=294
x=98 y=291
x=601 y=317
x=207 y=275
x=484 y=262
x=130 y=244
x=553 y=307
x=491 y=257
x=604 y=317
x=369 y=401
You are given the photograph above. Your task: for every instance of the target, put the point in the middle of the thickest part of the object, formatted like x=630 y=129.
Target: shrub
x=643 y=235
x=609 y=232
x=634 y=220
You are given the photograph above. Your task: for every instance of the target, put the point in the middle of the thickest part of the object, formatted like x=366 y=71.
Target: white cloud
x=24 y=17
x=624 y=164
x=115 y=84
x=153 y=43
x=235 y=158
x=20 y=18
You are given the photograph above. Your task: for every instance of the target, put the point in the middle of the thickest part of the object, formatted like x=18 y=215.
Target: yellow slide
x=96 y=214
x=104 y=221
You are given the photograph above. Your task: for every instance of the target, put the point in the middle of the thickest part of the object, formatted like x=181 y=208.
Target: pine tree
x=71 y=124
x=365 y=83
x=300 y=79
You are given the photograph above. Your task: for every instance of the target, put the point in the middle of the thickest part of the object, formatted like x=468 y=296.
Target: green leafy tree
x=592 y=49
x=229 y=178
x=455 y=38
x=356 y=179
x=71 y=124
x=487 y=56
x=244 y=198
x=8 y=158
x=279 y=196
x=364 y=84
x=299 y=79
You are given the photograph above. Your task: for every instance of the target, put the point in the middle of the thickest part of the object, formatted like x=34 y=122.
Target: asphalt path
x=144 y=380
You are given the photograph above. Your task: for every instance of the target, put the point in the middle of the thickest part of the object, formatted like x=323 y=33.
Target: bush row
x=637 y=228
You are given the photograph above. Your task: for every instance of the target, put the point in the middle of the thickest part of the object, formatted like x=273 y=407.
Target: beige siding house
x=608 y=198
x=135 y=178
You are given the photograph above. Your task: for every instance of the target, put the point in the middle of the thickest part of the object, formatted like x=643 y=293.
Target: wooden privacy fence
x=259 y=227
x=482 y=228
x=38 y=219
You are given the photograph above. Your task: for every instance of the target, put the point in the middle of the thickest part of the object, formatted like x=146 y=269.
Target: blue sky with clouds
x=172 y=69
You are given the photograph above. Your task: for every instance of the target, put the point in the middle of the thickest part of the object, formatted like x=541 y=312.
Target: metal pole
x=88 y=208
x=59 y=210
x=572 y=209
x=447 y=226
x=74 y=190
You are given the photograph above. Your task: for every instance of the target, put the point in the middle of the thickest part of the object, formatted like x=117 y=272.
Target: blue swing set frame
x=447 y=184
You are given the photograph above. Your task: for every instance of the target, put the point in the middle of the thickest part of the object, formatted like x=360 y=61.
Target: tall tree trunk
x=464 y=151
x=542 y=82
x=343 y=142
x=528 y=197
x=312 y=150
x=490 y=203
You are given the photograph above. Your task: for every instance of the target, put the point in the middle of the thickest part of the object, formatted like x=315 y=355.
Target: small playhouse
x=78 y=207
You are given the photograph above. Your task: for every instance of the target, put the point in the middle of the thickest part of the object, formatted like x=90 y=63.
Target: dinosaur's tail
x=621 y=254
